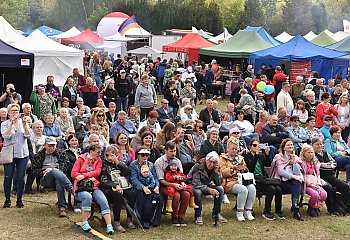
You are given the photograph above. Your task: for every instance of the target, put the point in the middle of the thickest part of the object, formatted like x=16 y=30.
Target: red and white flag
x=346 y=25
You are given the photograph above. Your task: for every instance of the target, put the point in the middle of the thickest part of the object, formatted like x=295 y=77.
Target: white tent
x=7 y=33
x=338 y=36
x=223 y=37
x=119 y=38
x=68 y=34
x=51 y=58
x=284 y=37
x=310 y=35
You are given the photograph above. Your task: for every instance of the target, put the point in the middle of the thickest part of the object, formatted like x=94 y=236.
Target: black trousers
x=340 y=186
x=144 y=113
x=117 y=199
x=271 y=191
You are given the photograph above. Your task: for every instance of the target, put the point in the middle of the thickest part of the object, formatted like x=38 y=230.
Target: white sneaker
x=225 y=199
x=219 y=97
x=214 y=97
x=248 y=215
x=199 y=220
x=240 y=217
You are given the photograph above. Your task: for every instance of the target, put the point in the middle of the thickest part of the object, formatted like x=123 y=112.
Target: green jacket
x=34 y=100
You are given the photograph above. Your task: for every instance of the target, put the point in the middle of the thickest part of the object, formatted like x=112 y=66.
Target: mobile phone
x=263 y=145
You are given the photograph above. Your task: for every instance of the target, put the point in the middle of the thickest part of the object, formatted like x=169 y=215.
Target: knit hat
x=172 y=162
x=144 y=169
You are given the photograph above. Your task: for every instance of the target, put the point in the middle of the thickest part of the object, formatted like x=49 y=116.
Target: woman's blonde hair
x=305 y=148
x=10 y=106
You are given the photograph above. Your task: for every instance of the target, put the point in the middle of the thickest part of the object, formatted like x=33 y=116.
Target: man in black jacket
x=273 y=134
x=209 y=115
x=236 y=96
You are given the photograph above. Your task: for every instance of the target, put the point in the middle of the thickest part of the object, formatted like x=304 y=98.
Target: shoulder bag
x=6 y=155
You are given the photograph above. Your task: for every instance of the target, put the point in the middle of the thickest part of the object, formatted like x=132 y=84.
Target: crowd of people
x=127 y=133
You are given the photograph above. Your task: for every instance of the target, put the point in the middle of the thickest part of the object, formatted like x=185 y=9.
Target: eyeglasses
x=71 y=133
x=144 y=154
x=296 y=120
x=200 y=127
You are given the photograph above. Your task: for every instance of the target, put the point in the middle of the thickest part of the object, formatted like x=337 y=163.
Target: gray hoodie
x=146 y=97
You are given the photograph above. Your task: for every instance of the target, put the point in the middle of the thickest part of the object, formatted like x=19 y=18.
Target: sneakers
x=240 y=217
x=281 y=215
x=175 y=222
x=311 y=212
x=219 y=97
x=182 y=222
x=131 y=225
x=222 y=219
x=199 y=220
x=109 y=229
x=225 y=199
x=208 y=196
x=62 y=212
x=77 y=210
x=86 y=226
x=268 y=216
x=7 y=203
x=248 y=215
x=214 y=97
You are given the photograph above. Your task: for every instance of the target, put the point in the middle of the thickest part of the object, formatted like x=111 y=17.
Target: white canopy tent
x=7 y=33
x=284 y=37
x=51 y=58
x=223 y=37
x=310 y=35
x=338 y=36
x=68 y=34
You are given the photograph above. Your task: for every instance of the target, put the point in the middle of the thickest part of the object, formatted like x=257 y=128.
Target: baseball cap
x=240 y=81
x=164 y=101
x=144 y=150
x=327 y=117
x=122 y=71
x=50 y=140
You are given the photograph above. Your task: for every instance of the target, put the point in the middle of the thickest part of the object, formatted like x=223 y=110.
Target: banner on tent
x=296 y=68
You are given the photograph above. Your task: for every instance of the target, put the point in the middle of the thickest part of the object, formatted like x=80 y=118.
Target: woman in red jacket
x=324 y=108
x=87 y=169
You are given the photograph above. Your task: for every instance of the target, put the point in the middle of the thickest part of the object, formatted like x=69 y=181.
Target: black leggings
x=117 y=200
x=270 y=191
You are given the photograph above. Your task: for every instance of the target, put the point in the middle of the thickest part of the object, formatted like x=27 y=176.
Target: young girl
x=174 y=175
x=313 y=181
x=300 y=111
x=126 y=154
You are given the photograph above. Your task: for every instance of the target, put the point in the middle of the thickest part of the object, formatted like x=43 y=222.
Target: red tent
x=85 y=37
x=190 y=44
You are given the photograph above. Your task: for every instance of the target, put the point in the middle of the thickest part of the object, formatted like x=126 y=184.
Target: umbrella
x=132 y=213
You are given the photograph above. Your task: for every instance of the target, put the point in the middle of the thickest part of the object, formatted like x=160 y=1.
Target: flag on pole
x=346 y=25
x=128 y=24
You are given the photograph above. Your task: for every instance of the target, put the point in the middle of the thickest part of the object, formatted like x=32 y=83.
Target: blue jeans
x=198 y=200
x=270 y=107
x=20 y=164
x=250 y=137
x=293 y=187
x=343 y=162
x=57 y=178
x=86 y=200
x=122 y=102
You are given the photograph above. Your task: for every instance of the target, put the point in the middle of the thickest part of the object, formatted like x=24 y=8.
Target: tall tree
x=254 y=14
x=230 y=12
x=319 y=15
x=15 y=12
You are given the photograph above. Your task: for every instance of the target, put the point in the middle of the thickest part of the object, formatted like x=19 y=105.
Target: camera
x=189 y=130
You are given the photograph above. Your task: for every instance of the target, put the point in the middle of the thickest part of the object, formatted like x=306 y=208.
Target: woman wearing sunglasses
x=188 y=114
x=245 y=127
x=257 y=159
x=99 y=117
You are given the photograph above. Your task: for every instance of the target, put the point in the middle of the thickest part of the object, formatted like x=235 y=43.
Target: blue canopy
x=48 y=31
x=265 y=35
x=299 y=49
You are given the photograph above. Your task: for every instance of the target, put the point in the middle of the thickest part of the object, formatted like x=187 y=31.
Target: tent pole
x=3 y=83
x=332 y=71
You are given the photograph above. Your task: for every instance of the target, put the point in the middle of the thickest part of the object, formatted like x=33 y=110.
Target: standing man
x=90 y=93
x=53 y=90
x=122 y=85
x=79 y=80
x=10 y=96
x=297 y=88
x=278 y=79
x=284 y=99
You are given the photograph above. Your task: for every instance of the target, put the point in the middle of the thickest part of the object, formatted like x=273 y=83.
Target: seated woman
x=297 y=133
x=165 y=135
x=72 y=152
x=327 y=172
x=231 y=166
x=225 y=126
x=64 y=121
x=99 y=118
x=263 y=120
x=116 y=186
x=147 y=207
x=135 y=142
x=50 y=128
x=126 y=153
x=235 y=132
x=313 y=181
x=147 y=141
x=338 y=149
x=80 y=124
x=286 y=166
x=87 y=169
x=211 y=144
x=188 y=114
x=151 y=122
x=311 y=130
x=246 y=128
x=256 y=161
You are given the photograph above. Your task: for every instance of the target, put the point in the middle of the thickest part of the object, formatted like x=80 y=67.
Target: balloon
x=261 y=86
x=269 y=89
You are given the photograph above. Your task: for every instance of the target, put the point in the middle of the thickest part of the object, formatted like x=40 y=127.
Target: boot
x=192 y=204
x=7 y=203
x=296 y=213
x=118 y=227
x=169 y=205
x=19 y=203
x=311 y=212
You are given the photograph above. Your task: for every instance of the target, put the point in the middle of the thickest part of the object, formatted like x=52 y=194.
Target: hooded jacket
x=146 y=96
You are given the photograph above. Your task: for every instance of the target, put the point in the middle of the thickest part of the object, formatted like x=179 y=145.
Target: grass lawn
x=39 y=221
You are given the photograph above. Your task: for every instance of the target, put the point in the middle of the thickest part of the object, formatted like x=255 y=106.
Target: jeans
x=148 y=212
x=245 y=196
x=343 y=162
x=217 y=201
x=20 y=165
x=122 y=103
x=86 y=200
x=250 y=137
x=293 y=187
x=57 y=178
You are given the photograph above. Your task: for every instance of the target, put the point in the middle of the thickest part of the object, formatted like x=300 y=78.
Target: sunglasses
x=189 y=108
x=235 y=132
x=200 y=127
x=296 y=120
x=255 y=144
x=100 y=115
x=144 y=154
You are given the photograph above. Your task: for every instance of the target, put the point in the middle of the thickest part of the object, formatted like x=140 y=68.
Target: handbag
x=85 y=186
x=6 y=154
x=246 y=178
x=311 y=179
x=119 y=180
